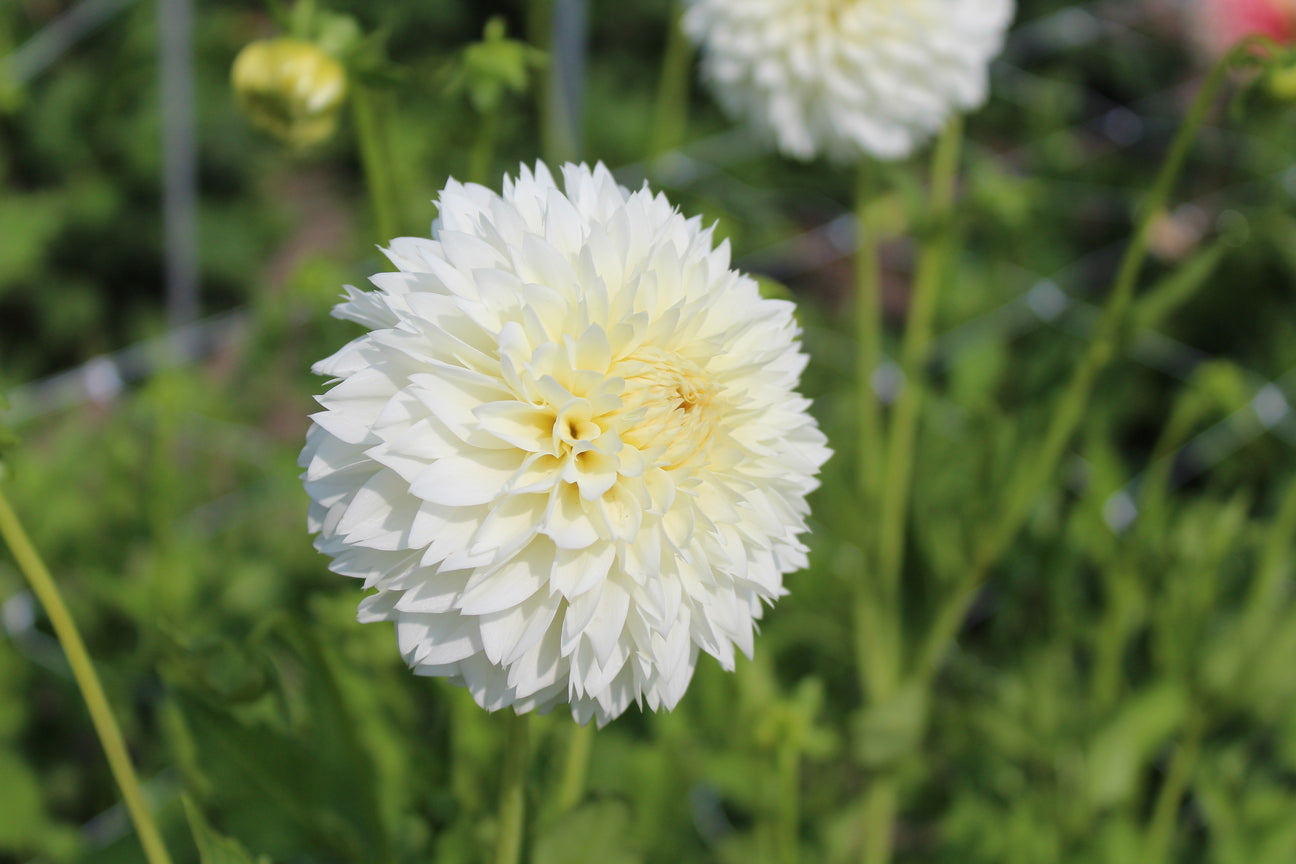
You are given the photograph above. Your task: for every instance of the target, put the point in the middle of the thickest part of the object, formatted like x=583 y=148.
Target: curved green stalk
x=670 y=114
x=87 y=680
x=1160 y=833
x=1035 y=472
x=788 y=817
x=572 y=787
x=893 y=509
x=512 y=808
x=483 y=150
x=880 y=804
x=868 y=333
x=375 y=155
x=871 y=620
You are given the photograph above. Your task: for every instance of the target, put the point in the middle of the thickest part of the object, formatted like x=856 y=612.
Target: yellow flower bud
x=290 y=88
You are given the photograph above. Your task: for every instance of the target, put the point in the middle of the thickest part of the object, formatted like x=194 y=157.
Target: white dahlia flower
x=847 y=78
x=569 y=453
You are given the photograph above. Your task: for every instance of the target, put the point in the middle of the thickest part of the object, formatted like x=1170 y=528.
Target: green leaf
x=592 y=834
x=1122 y=750
x=8 y=440
x=11 y=92
x=214 y=847
x=1172 y=292
x=302 y=19
x=32 y=221
x=337 y=35
x=218 y=668
x=495 y=66
x=21 y=813
x=331 y=801
x=886 y=733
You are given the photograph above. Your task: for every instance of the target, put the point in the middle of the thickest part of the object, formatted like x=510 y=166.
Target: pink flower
x=1223 y=23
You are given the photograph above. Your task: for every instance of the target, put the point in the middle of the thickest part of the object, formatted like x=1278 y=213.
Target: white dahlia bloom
x=569 y=453
x=847 y=78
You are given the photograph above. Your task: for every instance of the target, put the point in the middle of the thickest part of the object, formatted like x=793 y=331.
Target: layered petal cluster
x=569 y=452
x=847 y=78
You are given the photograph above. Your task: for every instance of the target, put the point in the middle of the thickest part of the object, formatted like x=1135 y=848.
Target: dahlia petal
x=539 y=472
x=518 y=423
x=439 y=526
x=641 y=559
x=495 y=589
x=487 y=683
x=538 y=629
x=565 y=521
x=367 y=308
x=564 y=227
x=619 y=512
x=412 y=451
x=434 y=592
x=371 y=519
x=596 y=473
x=437 y=639
x=604 y=628
x=350 y=429
x=576 y=571
x=538 y=668
x=539 y=262
x=451 y=393
x=325 y=455
x=617 y=695
x=378 y=607
x=500 y=632
x=580 y=611
x=467 y=253
x=510 y=524
x=412 y=254
x=462 y=481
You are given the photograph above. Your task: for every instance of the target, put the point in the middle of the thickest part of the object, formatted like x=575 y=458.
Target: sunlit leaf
x=214 y=847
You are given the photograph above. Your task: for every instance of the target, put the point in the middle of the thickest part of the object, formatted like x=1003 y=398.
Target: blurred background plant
x=1121 y=689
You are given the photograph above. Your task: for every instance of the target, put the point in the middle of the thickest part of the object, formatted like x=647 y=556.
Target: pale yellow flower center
x=669 y=404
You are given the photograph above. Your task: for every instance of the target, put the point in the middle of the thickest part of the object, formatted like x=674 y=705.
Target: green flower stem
x=1035 y=472
x=375 y=154
x=1271 y=574
x=893 y=506
x=880 y=803
x=868 y=321
x=1110 y=642
x=788 y=817
x=540 y=35
x=42 y=584
x=1165 y=812
x=512 y=807
x=670 y=115
x=871 y=619
x=572 y=787
x=483 y=151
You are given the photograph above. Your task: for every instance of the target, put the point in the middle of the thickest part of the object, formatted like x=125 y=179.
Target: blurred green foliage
x=1121 y=690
